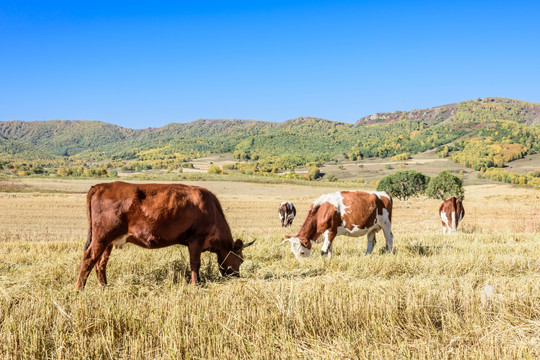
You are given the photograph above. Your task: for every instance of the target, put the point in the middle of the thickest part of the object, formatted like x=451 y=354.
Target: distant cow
x=286 y=212
x=350 y=213
x=154 y=216
x=451 y=213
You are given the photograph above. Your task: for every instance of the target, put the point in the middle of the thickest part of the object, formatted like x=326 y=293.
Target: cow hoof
x=323 y=253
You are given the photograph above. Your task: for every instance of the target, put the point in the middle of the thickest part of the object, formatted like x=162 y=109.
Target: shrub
x=534 y=173
x=402 y=156
x=314 y=173
x=444 y=186
x=331 y=178
x=214 y=169
x=404 y=184
x=292 y=175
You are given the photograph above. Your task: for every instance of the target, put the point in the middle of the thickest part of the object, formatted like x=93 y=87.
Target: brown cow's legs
x=90 y=257
x=101 y=266
x=195 y=261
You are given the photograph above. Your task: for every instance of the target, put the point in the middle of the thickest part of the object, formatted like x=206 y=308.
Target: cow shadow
x=173 y=271
x=300 y=273
x=179 y=271
x=418 y=249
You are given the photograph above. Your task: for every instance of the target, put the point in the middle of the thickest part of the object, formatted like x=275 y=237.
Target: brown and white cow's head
x=300 y=246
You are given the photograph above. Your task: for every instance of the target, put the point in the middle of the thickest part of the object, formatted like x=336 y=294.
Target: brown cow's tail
x=455 y=216
x=89 y=217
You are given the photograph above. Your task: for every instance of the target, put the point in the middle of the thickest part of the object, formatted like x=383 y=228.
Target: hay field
x=424 y=301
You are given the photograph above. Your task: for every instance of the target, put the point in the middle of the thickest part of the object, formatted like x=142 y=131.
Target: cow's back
x=362 y=207
x=160 y=211
x=450 y=205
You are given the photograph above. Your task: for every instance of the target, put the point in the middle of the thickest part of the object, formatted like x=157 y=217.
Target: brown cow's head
x=300 y=246
x=229 y=265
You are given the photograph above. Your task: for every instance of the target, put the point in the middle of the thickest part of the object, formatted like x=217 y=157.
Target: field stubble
x=427 y=300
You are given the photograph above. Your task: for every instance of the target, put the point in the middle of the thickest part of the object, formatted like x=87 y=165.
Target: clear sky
x=145 y=64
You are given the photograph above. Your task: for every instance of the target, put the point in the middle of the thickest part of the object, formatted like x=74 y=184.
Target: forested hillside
x=480 y=134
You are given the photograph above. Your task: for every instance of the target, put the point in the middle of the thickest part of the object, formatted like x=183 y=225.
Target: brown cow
x=351 y=213
x=451 y=213
x=154 y=216
x=287 y=213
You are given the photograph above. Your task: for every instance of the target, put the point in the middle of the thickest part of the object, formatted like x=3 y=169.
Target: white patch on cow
x=298 y=249
x=120 y=241
x=354 y=232
x=461 y=215
x=290 y=204
x=335 y=199
x=444 y=219
x=279 y=210
x=380 y=193
x=381 y=221
x=454 y=224
x=326 y=243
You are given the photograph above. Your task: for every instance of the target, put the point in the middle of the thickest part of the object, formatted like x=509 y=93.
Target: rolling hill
x=480 y=134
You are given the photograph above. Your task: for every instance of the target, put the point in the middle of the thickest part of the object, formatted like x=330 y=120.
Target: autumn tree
x=404 y=184
x=444 y=186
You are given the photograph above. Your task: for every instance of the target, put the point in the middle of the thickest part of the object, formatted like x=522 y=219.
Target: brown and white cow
x=287 y=213
x=451 y=213
x=154 y=216
x=350 y=213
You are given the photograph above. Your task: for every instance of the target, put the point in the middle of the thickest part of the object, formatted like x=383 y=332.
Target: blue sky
x=146 y=64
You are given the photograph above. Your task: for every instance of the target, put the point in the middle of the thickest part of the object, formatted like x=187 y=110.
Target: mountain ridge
x=478 y=133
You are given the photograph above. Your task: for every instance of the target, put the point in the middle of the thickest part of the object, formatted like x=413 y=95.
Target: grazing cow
x=451 y=213
x=154 y=216
x=286 y=212
x=351 y=213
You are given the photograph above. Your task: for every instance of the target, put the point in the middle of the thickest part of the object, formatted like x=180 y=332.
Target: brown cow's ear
x=288 y=236
x=238 y=245
x=305 y=242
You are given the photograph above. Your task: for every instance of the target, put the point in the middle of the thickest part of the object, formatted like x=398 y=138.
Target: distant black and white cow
x=287 y=212
x=350 y=213
x=451 y=213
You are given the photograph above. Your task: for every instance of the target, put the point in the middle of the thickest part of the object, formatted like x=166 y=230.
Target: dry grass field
x=424 y=301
